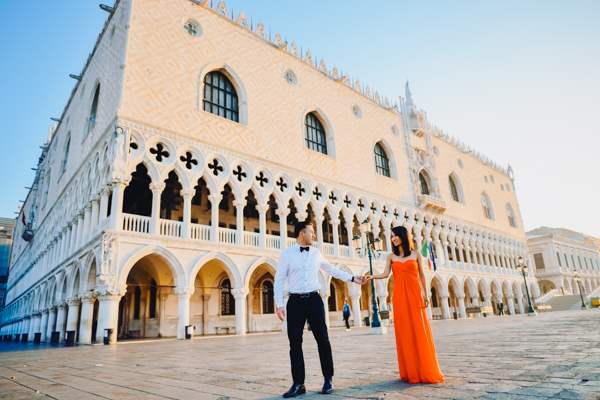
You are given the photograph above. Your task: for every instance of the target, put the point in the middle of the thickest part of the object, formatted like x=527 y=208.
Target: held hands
x=361 y=280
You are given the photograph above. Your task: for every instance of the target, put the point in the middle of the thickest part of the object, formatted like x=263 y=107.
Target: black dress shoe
x=327 y=387
x=295 y=390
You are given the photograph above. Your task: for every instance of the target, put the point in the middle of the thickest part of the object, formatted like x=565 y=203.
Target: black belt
x=304 y=295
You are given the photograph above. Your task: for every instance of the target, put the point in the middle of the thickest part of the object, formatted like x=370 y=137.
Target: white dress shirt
x=300 y=270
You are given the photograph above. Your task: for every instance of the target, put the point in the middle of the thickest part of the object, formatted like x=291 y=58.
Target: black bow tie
x=304 y=249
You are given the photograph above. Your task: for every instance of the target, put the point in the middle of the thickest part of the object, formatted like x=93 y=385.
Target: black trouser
x=301 y=308
x=346 y=318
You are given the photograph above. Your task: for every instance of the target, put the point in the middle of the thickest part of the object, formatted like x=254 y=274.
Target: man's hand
x=361 y=280
x=280 y=313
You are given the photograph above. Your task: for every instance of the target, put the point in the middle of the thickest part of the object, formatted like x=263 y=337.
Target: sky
x=518 y=81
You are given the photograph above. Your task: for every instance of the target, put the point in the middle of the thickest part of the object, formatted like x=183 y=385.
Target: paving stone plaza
x=554 y=355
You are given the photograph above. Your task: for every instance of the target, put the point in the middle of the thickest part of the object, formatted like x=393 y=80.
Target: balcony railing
x=227 y=235
x=136 y=223
x=251 y=239
x=200 y=232
x=170 y=228
x=273 y=242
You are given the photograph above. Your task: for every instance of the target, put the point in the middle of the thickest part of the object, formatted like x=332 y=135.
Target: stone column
x=72 y=315
x=335 y=224
x=462 y=312
x=520 y=304
x=108 y=316
x=162 y=315
x=240 y=310
x=103 y=208
x=116 y=207
x=87 y=223
x=184 y=313
x=445 y=306
x=51 y=323
x=187 y=213
x=61 y=317
x=283 y=214
x=349 y=228
x=31 y=327
x=319 y=226
x=387 y=231
x=511 y=305
x=44 y=325
x=26 y=324
x=355 y=292
x=94 y=221
x=262 y=223
x=87 y=317
x=215 y=199
x=157 y=189
x=239 y=220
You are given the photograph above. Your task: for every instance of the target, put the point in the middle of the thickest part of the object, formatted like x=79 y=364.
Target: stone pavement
x=554 y=355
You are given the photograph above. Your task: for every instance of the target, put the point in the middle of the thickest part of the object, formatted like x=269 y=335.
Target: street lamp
x=578 y=280
x=372 y=248
x=521 y=263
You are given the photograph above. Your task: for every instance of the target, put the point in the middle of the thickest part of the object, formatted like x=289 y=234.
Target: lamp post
x=578 y=280
x=521 y=262
x=372 y=248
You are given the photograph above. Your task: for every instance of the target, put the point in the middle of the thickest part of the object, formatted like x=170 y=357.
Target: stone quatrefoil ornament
x=239 y=173
x=300 y=189
x=262 y=179
x=189 y=160
x=159 y=152
x=347 y=201
x=281 y=184
x=215 y=167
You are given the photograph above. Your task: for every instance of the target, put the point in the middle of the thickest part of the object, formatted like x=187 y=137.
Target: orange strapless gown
x=417 y=360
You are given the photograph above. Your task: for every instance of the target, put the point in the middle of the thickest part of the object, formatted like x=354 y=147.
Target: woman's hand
x=425 y=299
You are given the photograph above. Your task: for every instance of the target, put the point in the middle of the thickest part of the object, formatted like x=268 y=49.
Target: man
x=299 y=267
x=346 y=314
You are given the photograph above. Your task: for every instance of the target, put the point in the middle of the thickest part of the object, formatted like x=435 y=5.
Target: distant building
x=565 y=260
x=6 y=233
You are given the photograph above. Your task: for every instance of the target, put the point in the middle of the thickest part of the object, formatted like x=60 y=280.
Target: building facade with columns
x=566 y=262
x=191 y=144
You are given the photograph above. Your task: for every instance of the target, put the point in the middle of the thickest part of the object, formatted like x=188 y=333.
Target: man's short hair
x=300 y=225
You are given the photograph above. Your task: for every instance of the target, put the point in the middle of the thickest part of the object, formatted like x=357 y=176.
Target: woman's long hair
x=402 y=233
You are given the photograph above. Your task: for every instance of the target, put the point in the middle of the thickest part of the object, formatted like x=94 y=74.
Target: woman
x=417 y=360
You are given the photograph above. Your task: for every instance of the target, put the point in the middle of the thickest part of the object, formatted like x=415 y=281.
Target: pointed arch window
x=227 y=300
x=455 y=191
x=268 y=306
x=424 y=183
x=382 y=162
x=315 y=134
x=94 y=110
x=486 y=205
x=512 y=220
x=65 y=159
x=220 y=96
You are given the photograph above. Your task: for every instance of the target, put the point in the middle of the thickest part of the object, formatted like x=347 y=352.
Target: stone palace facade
x=192 y=142
x=566 y=262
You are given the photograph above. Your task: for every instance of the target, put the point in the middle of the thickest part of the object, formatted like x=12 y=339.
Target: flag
x=432 y=256
x=425 y=253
